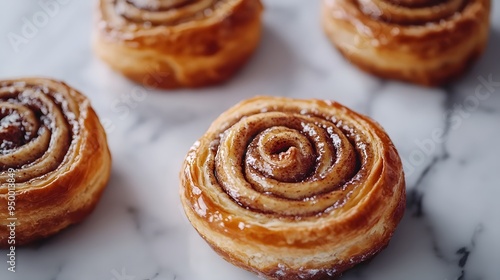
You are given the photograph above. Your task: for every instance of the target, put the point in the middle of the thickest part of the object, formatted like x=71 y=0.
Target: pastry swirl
x=294 y=189
x=177 y=43
x=54 y=159
x=427 y=42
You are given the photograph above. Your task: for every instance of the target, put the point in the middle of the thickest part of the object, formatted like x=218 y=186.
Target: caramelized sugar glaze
x=54 y=150
x=294 y=189
x=428 y=42
x=177 y=43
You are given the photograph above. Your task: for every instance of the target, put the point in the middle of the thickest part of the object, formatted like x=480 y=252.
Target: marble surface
x=448 y=138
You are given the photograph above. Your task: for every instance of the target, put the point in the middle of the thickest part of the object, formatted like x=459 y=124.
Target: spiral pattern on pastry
x=54 y=159
x=177 y=43
x=294 y=189
x=428 y=42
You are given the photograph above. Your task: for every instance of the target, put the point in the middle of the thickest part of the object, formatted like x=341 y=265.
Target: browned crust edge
x=71 y=197
x=324 y=271
x=153 y=61
x=431 y=76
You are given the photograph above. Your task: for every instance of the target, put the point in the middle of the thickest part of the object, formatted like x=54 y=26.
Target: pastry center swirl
x=17 y=126
x=282 y=154
x=274 y=162
x=37 y=125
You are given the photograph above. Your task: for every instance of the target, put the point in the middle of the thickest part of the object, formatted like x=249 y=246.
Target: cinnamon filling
x=36 y=128
x=165 y=12
x=411 y=12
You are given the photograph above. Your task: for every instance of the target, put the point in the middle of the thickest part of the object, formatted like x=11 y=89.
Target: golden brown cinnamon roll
x=428 y=42
x=54 y=159
x=177 y=43
x=294 y=189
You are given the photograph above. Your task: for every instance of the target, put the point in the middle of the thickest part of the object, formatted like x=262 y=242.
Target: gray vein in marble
x=466 y=251
x=415 y=195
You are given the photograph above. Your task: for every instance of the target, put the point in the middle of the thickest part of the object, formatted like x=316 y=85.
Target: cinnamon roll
x=427 y=42
x=294 y=189
x=54 y=159
x=177 y=43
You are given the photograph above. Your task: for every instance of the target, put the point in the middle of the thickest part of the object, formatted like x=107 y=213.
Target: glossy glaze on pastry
x=428 y=42
x=54 y=158
x=294 y=189
x=177 y=43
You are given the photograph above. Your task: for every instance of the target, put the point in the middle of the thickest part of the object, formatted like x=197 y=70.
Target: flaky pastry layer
x=182 y=43
x=294 y=189
x=54 y=159
x=427 y=42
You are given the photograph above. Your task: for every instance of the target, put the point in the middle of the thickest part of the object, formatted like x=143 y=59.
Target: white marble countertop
x=138 y=231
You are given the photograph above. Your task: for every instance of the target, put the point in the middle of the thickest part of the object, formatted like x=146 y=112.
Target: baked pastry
x=427 y=42
x=54 y=159
x=177 y=43
x=294 y=189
